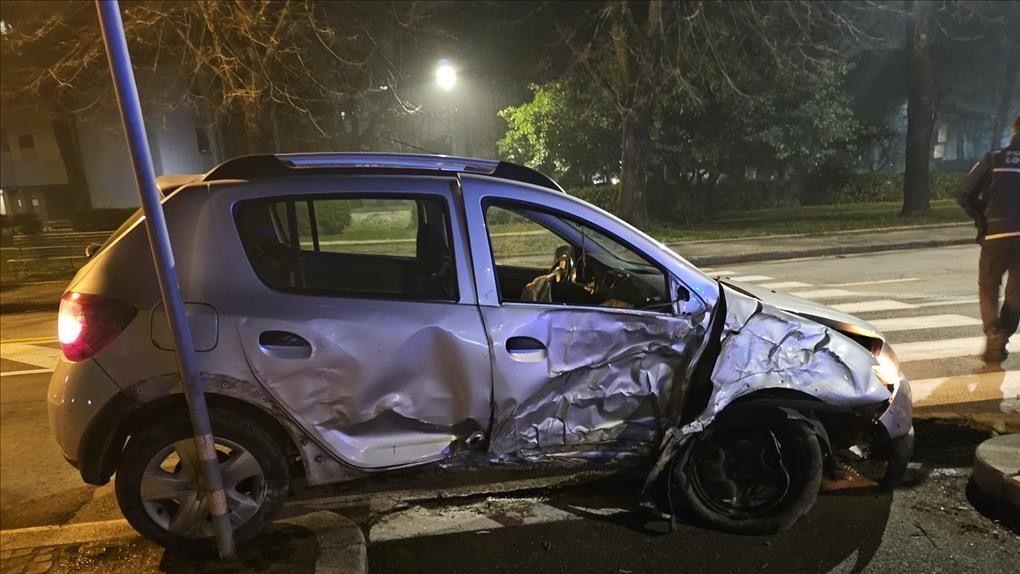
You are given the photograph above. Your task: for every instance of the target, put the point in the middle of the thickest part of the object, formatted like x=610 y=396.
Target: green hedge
x=26 y=223
x=102 y=219
x=824 y=189
x=604 y=196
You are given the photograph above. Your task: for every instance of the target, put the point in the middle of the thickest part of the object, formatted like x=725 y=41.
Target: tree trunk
x=634 y=166
x=1002 y=118
x=67 y=142
x=920 y=110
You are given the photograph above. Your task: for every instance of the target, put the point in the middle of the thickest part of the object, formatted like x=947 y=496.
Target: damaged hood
x=809 y=309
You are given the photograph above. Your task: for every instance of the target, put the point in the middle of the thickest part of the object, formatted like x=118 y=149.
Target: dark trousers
x=998 y=257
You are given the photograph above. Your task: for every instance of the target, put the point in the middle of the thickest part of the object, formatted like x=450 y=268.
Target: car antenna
x=412 y=146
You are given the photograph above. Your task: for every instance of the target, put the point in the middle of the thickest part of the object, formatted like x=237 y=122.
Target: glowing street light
x=446 y=76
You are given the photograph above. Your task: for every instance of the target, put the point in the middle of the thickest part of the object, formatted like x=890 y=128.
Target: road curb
x=840 y=233
x=997 y=469
x=342 y=546
x=819 y=252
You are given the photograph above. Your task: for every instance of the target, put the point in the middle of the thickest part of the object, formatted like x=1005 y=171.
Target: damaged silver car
x=359 y=313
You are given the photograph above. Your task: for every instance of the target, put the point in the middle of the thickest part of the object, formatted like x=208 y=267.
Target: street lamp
x=446 y=75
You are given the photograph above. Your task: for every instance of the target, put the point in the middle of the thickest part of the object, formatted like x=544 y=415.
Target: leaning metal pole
x=163 y=257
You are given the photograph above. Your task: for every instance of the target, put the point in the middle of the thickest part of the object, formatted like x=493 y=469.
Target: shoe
x=995 y=349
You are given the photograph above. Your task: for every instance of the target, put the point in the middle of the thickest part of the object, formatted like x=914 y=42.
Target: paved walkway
x=776 y=247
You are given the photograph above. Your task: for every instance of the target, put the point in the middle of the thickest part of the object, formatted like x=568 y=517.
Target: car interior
x=281 y=240
x=588 y=268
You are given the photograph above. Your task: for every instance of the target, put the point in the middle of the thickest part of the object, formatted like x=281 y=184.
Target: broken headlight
x=888 y=368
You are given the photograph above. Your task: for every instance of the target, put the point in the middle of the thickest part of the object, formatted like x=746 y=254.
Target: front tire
x=158 y=480
x=754 y=477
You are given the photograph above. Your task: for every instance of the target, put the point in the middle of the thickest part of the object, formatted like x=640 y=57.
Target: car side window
x=545 y=257
x=351 y=246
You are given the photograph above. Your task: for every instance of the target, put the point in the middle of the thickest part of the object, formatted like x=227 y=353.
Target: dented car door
x=366 y=326
x=588 y=344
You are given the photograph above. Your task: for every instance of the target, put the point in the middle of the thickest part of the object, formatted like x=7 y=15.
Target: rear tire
x=756 y=477
x=157 y=480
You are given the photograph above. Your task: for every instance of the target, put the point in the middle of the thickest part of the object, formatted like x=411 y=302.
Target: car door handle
x=526 y=349
x=284 y=345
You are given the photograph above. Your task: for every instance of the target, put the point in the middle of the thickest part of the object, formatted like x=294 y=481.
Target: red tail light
x=87 y=323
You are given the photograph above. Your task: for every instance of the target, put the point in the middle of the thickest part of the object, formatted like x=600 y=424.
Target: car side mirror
x=685 y=303
x=91 y=249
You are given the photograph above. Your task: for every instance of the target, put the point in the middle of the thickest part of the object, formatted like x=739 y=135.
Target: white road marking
x=420 y=521
x=717 y=272
x=44 y=357
x=944 y=349
x=924 y=322
x=945 y=302
x=879 y=282
x=824 y=293
x=1003 y=385
x=867 y=306
x=750 y=278
x=25 y=372
x=785 y=285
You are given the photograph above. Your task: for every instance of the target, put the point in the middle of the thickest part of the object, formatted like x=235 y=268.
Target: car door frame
x=479 y=191
x=233 y=290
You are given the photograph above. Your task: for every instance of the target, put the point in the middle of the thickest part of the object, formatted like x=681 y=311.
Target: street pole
x=166 y=272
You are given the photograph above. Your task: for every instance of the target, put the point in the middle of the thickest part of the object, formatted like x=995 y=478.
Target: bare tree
x=272 y=74
x=1007 y=94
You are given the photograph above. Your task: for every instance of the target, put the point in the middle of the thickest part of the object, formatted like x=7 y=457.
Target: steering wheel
x=611 y=279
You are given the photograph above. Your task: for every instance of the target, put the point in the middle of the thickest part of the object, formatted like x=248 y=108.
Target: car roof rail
x=289 y=164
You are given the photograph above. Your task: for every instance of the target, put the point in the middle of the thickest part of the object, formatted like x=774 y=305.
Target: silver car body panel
x=391 y=383
x=77 y=391
x=806 y=308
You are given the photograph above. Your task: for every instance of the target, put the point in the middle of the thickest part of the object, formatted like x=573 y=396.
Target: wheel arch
x=105 y=438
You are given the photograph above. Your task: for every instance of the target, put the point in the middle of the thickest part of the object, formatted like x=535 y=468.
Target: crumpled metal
x=607 y=382
x=764 y=347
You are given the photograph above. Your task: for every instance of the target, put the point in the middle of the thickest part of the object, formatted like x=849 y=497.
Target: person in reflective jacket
x=991 y=195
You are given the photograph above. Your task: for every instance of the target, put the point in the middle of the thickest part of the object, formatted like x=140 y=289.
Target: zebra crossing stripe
x=1003 y=385
x=923 y=322
x=943 y=349
x=868 y=306
x=878 y=282
x=823 y=293
x=25 y=372
x=43 y=357
x=786 y=285
x=750 y=278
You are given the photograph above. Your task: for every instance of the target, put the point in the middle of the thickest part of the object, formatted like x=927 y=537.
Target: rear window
x=351 y=246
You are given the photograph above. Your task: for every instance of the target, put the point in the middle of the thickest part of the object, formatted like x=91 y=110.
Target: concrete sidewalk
x=319 y=542
x=44 y=295
x=777 y=247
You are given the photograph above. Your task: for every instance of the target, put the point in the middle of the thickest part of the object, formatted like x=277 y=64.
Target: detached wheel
x=158 y=481
x=756 y=478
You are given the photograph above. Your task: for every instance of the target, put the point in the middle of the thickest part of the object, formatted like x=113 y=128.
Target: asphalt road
x=925 y=300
